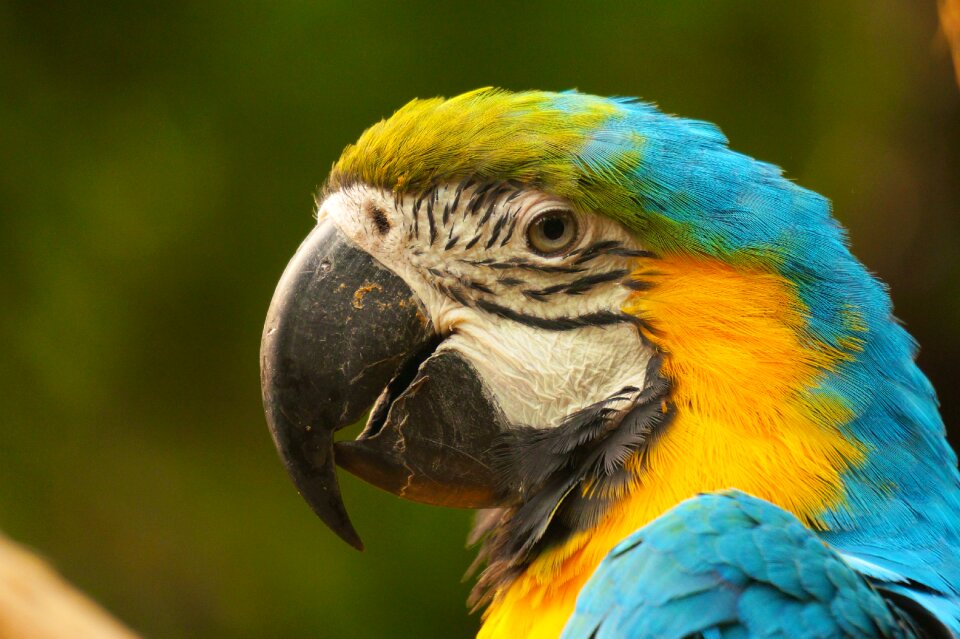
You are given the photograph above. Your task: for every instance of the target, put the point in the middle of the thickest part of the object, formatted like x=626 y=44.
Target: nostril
x=380 y=220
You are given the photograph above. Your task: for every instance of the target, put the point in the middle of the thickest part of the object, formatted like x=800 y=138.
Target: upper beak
x=343 y=330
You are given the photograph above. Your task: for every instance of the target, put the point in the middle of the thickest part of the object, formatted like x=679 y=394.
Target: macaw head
x=576 y=312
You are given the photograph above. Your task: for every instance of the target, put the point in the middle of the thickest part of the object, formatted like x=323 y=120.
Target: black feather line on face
x=584 y=284
x=477 y=198
x=456 y=196
x=562 y=323
x=510 y=229
x=517 y=190
x=550 y=469
x=430 y=220
x=608 y=247
x=477 y=286
x=457 y=294
x=578 y=286
x=637 y=285
x=588 y=252
x=488 y=214
x=416 y=216
x=497 y=227
x=523 y=264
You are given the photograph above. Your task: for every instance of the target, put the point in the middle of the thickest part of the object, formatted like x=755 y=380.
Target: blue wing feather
x=728 y=565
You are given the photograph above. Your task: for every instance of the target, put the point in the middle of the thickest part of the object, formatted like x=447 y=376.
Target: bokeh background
x=158 y=162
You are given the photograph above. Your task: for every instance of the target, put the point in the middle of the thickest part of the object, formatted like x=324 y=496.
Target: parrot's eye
x=552 y=232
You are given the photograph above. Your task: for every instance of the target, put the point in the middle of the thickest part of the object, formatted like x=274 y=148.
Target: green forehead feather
x=532 y=137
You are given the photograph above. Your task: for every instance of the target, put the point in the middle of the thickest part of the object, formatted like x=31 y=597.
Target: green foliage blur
x=158 y=162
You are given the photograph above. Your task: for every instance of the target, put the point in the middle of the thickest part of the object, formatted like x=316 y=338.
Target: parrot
x=678 y=404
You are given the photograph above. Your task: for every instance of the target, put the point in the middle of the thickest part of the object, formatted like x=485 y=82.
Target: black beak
x=344 y=333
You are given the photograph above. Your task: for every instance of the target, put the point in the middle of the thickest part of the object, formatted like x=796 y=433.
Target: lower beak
x=344 y=333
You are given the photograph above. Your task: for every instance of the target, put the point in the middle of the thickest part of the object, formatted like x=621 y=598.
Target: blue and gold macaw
x=681 y=406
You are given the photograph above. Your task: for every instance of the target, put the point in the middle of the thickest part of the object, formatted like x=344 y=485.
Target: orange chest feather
x=743 y=374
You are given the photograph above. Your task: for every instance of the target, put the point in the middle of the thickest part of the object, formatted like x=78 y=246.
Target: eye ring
x=552 y=232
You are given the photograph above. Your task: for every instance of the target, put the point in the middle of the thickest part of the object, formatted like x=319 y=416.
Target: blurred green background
x=157 y=167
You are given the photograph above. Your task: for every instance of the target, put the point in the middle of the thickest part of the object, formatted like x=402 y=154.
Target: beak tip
x=342 y=528
x=331 y=512
x=309 y=459
x=356 y=543
x=322 y=492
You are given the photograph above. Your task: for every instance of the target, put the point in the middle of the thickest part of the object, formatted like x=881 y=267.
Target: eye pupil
x=553 y=228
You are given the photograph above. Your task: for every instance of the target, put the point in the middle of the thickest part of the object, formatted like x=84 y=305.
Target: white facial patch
x=539 y=377
x=545 y=333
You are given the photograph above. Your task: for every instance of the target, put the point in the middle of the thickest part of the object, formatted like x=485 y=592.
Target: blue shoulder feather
x=731 y=565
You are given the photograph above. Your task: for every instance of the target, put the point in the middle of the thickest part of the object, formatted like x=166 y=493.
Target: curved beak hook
x=338 y=328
